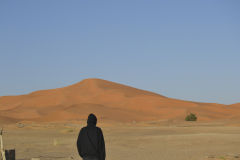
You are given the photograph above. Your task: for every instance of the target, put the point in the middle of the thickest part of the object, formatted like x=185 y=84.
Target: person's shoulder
x=83 y=129
x=99 y=129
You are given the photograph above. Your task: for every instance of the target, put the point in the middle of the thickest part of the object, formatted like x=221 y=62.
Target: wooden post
x=2 y=150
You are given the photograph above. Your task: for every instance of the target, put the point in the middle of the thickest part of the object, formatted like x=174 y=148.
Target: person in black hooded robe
x=90 y=142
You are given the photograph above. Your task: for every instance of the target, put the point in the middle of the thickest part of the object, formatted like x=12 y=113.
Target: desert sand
x=112 y=102
x=179 y=141
x=137 y=124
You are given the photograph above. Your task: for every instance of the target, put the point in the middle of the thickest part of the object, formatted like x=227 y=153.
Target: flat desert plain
x=152 y=141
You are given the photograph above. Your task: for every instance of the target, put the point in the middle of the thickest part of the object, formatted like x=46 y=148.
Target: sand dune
x=110 y=102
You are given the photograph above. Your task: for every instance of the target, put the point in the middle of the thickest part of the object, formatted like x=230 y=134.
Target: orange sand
x=110 y=102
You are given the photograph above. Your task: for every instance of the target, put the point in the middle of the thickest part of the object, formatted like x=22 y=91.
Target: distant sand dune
x=110 y=101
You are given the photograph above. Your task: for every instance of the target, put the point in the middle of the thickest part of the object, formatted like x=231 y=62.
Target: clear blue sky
x=181 y=49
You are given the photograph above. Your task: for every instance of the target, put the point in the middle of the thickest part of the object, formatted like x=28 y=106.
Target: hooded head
x=92 y=119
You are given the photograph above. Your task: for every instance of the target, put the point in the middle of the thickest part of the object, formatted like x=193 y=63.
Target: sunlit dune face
x=110 y=101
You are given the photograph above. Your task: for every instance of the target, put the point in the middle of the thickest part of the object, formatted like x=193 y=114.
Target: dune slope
x=109 y=101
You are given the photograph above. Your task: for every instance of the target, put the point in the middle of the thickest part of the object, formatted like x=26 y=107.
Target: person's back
x=90 y=143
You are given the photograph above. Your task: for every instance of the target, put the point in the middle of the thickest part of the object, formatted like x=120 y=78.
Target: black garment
x=90 y=158
x=95 y=147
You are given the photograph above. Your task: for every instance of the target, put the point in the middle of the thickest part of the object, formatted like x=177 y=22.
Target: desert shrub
x=191 y=117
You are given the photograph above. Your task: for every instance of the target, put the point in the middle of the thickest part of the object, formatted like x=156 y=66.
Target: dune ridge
x=110 y=102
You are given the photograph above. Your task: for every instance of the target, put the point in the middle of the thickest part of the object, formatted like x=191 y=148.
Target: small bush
x=191 y=117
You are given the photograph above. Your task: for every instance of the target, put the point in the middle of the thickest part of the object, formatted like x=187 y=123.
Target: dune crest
x=110 y=101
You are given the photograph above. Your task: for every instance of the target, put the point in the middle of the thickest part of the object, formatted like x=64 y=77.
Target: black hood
x=92 y=119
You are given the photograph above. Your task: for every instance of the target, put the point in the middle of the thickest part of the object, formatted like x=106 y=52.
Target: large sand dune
x=110 y=101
